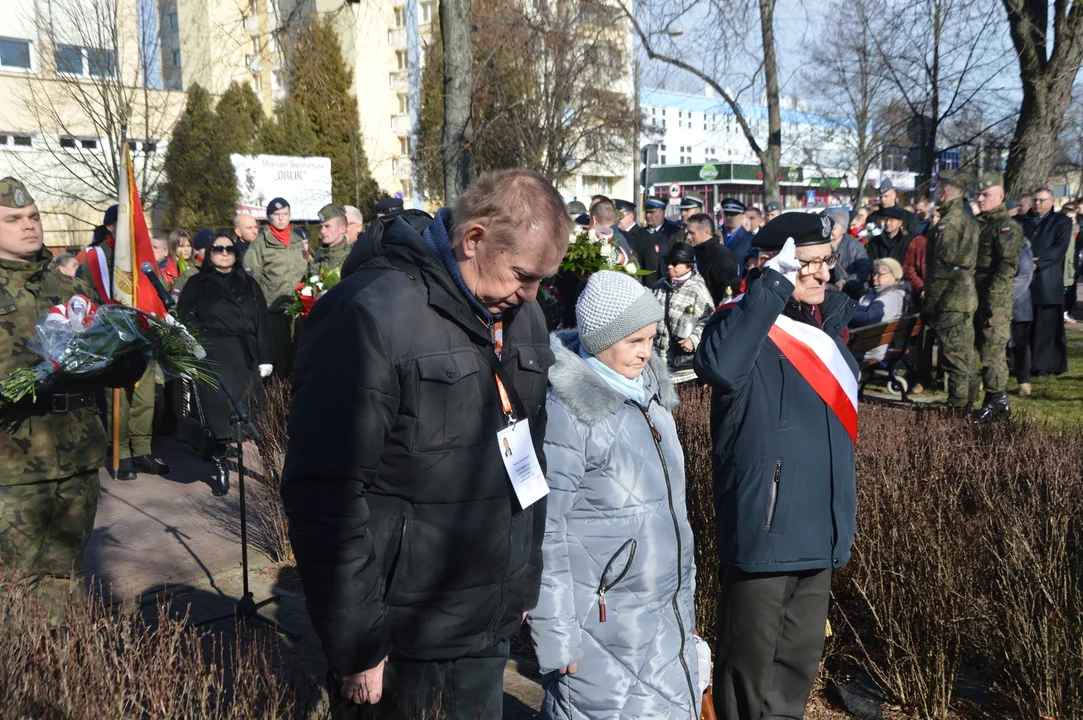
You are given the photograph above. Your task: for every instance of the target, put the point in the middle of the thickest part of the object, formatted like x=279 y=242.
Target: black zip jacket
x=408 y=536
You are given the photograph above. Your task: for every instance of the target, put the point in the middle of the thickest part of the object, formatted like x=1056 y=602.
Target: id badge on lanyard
x=516 y=444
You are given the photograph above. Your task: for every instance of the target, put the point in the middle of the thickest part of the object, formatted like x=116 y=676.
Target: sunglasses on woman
x=223 y=249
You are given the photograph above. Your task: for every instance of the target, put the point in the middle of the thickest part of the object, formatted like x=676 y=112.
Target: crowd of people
x=460 y=461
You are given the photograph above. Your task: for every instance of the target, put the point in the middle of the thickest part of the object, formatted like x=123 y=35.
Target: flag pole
x=116 y=391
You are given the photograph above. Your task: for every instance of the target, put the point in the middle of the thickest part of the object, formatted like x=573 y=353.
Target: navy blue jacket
x=740 y=244
x=784 y=481
x=1049 y=238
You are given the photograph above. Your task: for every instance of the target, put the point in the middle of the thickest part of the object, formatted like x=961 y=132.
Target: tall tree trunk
x=458 y=160
x=771 y=157
x=1047 y=77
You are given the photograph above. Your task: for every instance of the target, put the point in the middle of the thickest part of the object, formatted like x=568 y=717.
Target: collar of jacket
x=403 y=242
x=836 y=311
x=28 y=268
x=947 y=206
x=707 y=245
x=994 y=216
x=587 y=396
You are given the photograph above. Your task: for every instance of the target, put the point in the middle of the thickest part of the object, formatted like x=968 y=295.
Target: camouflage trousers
x=44 y=528
x=958 y=360
x=991 y=335
x=136 y=415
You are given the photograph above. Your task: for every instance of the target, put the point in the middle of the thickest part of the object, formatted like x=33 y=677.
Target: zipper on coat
x=603 y=587
x=772 y=500
x=393 y=570
x=677 y=529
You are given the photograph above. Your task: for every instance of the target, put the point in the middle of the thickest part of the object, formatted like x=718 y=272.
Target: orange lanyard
x=498 y=342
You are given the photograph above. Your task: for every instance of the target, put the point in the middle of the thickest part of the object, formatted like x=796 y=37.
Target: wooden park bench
x=898 y=337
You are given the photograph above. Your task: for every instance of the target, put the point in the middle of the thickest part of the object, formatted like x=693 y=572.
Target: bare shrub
x=271 y=418
x=693 y=418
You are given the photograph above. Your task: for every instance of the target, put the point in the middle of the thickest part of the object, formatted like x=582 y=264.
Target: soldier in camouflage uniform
x=999 y=244
x=50 y=448
x=334 y=246
x=950 y=295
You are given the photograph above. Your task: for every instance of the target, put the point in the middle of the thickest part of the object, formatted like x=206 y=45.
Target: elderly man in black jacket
x=784 y=423
x=1050 y=234
x=418 y=554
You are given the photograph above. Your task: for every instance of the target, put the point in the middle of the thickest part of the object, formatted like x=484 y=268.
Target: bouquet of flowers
x=77 y=338
x=309 y=290
x=592 y=250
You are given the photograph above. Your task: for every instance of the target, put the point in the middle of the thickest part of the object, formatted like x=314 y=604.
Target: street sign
x=674 y=190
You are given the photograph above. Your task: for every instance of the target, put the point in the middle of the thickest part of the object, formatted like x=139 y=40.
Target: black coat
x=718 y=266
x=648 y=250
x=881 y=246
x=408 y=536
x=1049 y=238
x=784 y=476
x=912 y=226
x=233 y=329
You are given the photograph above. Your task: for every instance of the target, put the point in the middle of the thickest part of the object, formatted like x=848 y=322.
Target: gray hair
x=353 y=215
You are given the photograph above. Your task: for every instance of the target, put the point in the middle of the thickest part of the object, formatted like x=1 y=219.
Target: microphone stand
x=245 y=607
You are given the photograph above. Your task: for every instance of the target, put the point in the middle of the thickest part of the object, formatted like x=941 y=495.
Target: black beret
x=895 y=213
x=388 y=205
x=804 y=228
x=203 y=239
x=582 y=219
x=276 y=205
x=773 y=206
x=624 y=206
x=110 y=216
x=681 y=253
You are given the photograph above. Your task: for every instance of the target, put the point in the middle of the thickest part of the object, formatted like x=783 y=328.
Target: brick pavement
x=170 y=537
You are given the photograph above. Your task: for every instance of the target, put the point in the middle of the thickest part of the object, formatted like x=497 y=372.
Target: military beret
x=733 y=206
x=13 y=194
x=681 y=253
x=110 y=216
x=388 y=205
x=773 y=206
x=575 y=209
x=276 y=205
x=1011 y=204
x=804 y=228
x=582 y=219
x=894 y=212
x=203 y=239
x=624 y=206
x=653 y=204
x=886 y=185
x=991 y=179
x=959 y=178
x=330 y=211
x=691 y=201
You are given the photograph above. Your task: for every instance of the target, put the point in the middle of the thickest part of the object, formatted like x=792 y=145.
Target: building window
x=661 y=159
x=92 y=62
x=68 y=143
x=400 y=17
x=176 y=59
x=404 y=104
x=257 y=82
x=255 y=46
x=22 y=141
x=404 y=146
x=403 y=59
x=88 y=144
x=69 y=59
x=14 y=53
x=407 y=189
x=426 y=13
x=171 y=20
x=662 y=148
x=100 y=63
x=150 y=147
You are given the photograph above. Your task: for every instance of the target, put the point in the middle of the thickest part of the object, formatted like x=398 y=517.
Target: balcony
x=400 y=125
x=396 y=38
x=251 y=24
x=400 y=82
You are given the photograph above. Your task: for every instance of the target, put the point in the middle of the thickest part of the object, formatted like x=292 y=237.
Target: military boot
x=220 y=481
x=995 y=406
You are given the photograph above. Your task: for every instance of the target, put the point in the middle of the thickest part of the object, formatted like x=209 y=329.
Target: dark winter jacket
x=718 y=266
x=854 y=266
x=882 y=246
x=407 y=533
x=784 y=482
x=1049 y=238
x=1022 y=309
x=740 y=244
x=647 y=249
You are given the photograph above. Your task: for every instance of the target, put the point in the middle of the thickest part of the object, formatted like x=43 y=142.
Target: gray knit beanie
x=611 y=307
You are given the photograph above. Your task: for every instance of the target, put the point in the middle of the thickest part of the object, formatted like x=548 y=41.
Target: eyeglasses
x=814 y=266
x=228 y=249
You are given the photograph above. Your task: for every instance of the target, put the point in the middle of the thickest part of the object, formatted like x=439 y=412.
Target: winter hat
x=893 y=265
x=611 y=307
x=203 y=239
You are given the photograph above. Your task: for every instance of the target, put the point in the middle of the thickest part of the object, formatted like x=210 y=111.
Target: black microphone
x=163 y=294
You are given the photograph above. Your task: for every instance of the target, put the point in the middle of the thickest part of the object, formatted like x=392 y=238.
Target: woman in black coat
x=228 y=311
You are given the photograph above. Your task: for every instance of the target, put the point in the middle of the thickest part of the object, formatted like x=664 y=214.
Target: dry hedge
x=968 y=561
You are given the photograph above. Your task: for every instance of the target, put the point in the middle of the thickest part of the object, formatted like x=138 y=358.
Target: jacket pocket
x=449 y=402
x=605 y=584
x=531 y=379
x=396 y=547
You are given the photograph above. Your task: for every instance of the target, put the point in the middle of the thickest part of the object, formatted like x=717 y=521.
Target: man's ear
x=472 y=237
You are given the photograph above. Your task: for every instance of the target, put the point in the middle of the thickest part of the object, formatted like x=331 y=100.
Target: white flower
x=631 y=268
x=314 y=279
x=609 y=253
x=306 y=292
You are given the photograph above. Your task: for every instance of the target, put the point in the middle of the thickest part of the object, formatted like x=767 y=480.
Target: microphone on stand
x=164 y=295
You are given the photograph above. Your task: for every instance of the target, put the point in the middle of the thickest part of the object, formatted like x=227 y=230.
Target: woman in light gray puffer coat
x=615 y=618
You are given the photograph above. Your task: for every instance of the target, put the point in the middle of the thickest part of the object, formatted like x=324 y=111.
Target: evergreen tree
x=200 y=186
x=290 y=132
x=240 y=116
x=320 y=82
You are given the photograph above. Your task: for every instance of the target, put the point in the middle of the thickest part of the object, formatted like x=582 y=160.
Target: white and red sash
x=818 y=359
x=820 y=362
x=99 y=272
